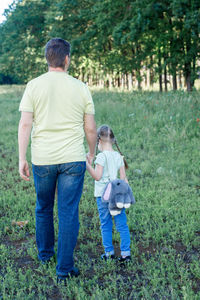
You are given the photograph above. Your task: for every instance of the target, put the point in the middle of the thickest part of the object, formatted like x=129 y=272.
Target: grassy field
x=159 y=135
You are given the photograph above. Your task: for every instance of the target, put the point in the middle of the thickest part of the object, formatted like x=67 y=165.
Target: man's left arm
x=24 y=131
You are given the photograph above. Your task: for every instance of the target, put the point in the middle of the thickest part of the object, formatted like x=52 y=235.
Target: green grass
x=159 y=135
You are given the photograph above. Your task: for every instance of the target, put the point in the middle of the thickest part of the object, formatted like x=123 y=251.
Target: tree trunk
x=160 y=71
x=180 y=80
x=118 y=80
x=83 y=74
x=132 y=78
x=139 y=85
x=165 y=77
x=88 y=79
x=138 y=77
x=148 y=78
x=188 y=68
x=145 y=80
x=160 y=83
x=188 y=76
x=130 y=82
x=138 y=70
x=122 y=81
x=151 y=72
x=193 y=71
x=174 y=81
x=126 y=80
x=107 y=84
x=188 y=81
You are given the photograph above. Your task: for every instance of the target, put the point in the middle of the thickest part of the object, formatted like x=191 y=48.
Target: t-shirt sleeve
x=100 y=160
x=26 y=103
x=89 y=105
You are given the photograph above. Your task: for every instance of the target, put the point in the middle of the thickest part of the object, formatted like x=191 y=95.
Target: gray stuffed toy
x=119 y=194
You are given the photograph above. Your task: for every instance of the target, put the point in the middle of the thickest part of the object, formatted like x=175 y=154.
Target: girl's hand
x=89 y=158
x=88 y=166
x=95 y=173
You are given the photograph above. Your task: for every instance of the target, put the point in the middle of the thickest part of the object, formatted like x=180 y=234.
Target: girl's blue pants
x=106 y=229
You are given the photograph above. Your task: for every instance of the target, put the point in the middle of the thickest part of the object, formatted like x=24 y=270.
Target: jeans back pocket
x=41 y=171
x=75 y=168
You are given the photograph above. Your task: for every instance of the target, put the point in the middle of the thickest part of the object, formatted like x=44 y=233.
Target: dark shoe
x=73 y=273
x=52 y=259
x=124 y=260
x=105 y=257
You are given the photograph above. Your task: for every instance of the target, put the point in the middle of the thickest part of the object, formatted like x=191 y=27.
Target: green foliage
x=108 y=38
x=22 y=40
x=159 y=136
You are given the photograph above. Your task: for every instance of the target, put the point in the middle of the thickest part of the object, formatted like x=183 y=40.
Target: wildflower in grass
x=198 y=119
x=21 y=224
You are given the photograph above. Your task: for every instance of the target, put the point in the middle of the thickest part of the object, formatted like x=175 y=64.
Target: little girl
x=107 y=164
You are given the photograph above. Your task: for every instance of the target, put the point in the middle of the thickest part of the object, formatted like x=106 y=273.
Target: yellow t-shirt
x=58 y=102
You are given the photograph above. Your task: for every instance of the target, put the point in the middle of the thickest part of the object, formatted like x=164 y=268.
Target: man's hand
x=89 y=158
x=24 y=170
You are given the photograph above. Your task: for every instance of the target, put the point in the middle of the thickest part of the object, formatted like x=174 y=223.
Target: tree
x=22 y=38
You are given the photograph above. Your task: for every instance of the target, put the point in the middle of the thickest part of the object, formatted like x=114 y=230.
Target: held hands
x=89 y=158
x=24 y=170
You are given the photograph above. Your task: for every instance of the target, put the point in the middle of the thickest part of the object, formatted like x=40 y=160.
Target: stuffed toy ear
x=107 y=192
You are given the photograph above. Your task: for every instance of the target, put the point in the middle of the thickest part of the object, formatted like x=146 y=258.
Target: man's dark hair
x=55 y=52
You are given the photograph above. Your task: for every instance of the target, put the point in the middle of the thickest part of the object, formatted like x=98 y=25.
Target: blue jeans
x=106 y=229
x=68 y=178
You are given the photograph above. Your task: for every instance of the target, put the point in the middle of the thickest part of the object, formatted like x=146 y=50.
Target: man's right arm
x=91 y=135
x=24 y=131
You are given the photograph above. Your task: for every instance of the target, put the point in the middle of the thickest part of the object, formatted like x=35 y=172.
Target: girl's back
x=111 y=161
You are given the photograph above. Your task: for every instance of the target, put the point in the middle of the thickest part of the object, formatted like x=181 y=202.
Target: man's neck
x=51 y=69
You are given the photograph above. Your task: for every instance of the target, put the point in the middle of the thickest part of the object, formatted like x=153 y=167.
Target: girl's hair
x=105 y=133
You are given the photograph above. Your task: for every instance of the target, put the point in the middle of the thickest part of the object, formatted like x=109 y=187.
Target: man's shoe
x=52 y=259
x=107 y=257
x=124 y=260
x=73 y=273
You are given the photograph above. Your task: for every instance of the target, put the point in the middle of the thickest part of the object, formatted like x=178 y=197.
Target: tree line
x=121 y=43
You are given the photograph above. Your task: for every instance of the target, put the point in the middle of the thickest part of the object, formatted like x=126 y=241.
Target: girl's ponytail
x=125 y=162
x=97 y=144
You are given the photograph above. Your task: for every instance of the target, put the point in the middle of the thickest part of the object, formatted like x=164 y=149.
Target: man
x=60 y=109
